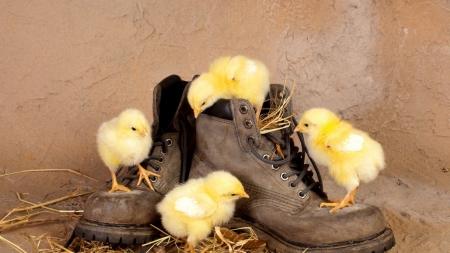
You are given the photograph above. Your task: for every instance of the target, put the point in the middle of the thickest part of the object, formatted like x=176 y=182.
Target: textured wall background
x=67 y=66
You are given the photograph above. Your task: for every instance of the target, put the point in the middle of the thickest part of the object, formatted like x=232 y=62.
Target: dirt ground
x=67 y=66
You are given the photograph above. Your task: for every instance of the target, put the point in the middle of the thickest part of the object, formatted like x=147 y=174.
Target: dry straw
x=30 y=214
x=88 y=246
x=12 y=245
x=49 y=170
x=275 y=119
x=224 y=240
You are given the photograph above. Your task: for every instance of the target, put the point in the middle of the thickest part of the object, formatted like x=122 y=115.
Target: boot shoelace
x=164 y=144
x=296 y=162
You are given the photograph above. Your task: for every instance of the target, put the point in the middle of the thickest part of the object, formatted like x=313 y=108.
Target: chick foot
x=339 y=200
x=116 y=186
x=336 y=206
x=143 y=174
x=191 y=248
x=342 y=202
x=187 y=246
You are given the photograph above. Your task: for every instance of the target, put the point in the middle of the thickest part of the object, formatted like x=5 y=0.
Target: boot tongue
x=156 y=102
x=220 y=109
x=184 y=113
x=166 y=95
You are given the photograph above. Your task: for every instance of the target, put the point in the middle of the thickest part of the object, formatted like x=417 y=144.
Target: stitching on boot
x=205 y=160
x=270 y=199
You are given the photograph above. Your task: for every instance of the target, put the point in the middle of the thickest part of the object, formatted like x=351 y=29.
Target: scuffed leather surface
x=135 y=207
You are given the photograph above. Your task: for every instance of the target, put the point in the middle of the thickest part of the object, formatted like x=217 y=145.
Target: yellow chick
x=125 y=141
x=230 y=77
x=350 y=154
x=194 y=208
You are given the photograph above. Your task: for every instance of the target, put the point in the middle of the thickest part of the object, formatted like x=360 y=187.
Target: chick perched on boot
x=350 y=154
x=230 y=77
x=125 y=141
x=192 y=209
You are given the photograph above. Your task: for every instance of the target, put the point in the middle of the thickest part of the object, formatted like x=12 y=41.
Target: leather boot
x=283 y=207
x=173 y=135
x=125 y=217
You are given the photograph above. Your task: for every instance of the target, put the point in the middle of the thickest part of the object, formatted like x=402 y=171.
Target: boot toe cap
x=315 y=227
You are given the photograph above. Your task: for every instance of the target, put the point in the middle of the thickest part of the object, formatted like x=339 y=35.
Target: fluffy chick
x=350 y=154
x=194 y=208
x=125 y=141
x=230 y=77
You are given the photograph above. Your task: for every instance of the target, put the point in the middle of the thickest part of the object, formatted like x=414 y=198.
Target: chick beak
x=298 y=129
x=245 y=195
x=196 y=112
x=143 y=132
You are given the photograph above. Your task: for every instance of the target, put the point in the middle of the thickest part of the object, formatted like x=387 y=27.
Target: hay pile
x=224 y=240
x=275 y=119
x=31 y=214
x=37 y=214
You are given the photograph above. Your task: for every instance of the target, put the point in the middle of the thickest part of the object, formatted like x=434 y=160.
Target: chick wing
x=352 y=143
x=196 y=207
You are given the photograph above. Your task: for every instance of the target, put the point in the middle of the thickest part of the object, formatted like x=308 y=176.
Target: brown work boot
x=173 y=137
x=283 y=207
x=125 y=217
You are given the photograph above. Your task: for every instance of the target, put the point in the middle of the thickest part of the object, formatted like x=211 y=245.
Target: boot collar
x=220 y=109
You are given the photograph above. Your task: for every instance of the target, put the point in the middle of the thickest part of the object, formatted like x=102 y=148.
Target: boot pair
x=285 y=193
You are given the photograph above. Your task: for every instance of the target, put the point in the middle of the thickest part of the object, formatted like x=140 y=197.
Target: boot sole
x=378 y=243
x=115 y=233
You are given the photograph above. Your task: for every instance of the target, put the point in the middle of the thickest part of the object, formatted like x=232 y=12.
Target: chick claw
x=339 y=200
x=342 y=202
x=187 y=246
x=119 y=187
x=116 y=186
x=191 y=248
x=143 y=174
x=336 y=206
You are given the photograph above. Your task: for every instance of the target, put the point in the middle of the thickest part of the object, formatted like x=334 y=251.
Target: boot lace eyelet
x=283 y=176
x=301 y=195
x=250 y=138
x=153 y=179
x=248 y=124
x=161 y=159
x=164 y=153
x=281 y=94
x=275 y=167
x=157 y=169
x=292 y=185
x=243 y=109
x=169 y=142
x=266 y=157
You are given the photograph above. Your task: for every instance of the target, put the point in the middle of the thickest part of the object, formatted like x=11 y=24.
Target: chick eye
x=204 y=103
x=306 y=125
x=233 y=194
x=132 y=128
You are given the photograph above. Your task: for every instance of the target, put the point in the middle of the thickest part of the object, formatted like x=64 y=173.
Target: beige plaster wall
x=67 y=66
